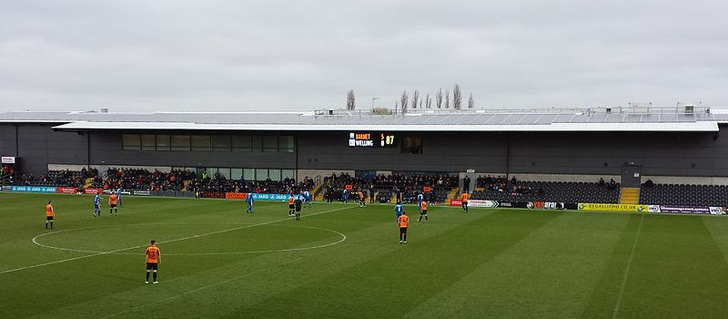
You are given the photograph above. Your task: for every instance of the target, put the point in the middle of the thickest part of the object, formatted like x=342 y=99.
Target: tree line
x=442 y=99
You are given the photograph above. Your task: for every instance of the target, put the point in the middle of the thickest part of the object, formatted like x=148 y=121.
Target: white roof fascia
x=702 y=126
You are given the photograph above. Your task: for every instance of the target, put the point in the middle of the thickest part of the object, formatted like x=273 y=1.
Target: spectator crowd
x=174 y=180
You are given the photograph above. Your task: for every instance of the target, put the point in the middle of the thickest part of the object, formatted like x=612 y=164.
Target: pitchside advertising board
x=258 y=196
x=698 y=210
x=704 y=210
x=613 y=207
x=74 y=190
x=51 y=189
x=498 y=204
x=94 y=191
x=32 y=189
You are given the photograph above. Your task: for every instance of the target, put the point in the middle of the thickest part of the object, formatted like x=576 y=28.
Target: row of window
x=208 y=143
x=229 y=143
x=249 y=174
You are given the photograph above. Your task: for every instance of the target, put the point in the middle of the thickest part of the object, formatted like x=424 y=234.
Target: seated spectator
x=649 y=183
x=612 y=184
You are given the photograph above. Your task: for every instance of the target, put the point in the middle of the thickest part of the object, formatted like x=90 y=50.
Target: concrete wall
x=7 y=140
x=441 y=152
x=38 y=145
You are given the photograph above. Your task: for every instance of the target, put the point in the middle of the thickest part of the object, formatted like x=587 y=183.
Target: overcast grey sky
x=293 y=55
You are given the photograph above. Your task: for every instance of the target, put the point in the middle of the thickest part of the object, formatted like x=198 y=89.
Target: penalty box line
x=161 y=242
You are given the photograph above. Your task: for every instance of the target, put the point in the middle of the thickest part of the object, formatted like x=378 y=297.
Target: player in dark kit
x=297 y=206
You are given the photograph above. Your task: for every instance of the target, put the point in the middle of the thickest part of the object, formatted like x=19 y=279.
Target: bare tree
x=428 y=101
x=350 y=100
x=471 y=101
x=457 y=97
x=404 y=101
x=447 y=99
x=415 y=99
x=438 y=98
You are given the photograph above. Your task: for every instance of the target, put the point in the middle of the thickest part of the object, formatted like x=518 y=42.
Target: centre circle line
x=7 y=271
x=341 y=239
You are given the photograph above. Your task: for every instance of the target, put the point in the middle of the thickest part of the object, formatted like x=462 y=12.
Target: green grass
x=342 y=261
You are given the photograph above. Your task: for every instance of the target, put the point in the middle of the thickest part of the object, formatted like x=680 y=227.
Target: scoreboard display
x=372 y=139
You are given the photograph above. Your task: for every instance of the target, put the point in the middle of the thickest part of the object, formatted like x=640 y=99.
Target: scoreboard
x=372 y=139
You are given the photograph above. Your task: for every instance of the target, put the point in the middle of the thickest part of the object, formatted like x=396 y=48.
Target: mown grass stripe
x=392 y=284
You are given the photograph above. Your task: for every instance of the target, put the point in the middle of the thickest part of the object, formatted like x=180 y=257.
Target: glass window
x=148 y=143
x=257 y=145
x=180 y=143
x=241 y=143
x=200 y=143
x=249 y=174
x=412 y=145
x=285 y=144
x=223 y=171
x=163 y=143
x=131 y=142
x=287 y=173
x=261 y=174
x=274 y=174
x=270 y=144
x=221 y=143
x=236 y=173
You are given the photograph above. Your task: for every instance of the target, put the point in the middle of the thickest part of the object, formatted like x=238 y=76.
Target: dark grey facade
x=699 y=154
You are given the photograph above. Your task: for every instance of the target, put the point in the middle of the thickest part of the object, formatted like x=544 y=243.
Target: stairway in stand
x=453 y=194
x=316 y=192
x=629 y=196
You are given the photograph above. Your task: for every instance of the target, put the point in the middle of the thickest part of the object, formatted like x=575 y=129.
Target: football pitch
x=342 y=261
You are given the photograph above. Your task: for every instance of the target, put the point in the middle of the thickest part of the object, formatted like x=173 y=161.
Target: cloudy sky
x=299 y=55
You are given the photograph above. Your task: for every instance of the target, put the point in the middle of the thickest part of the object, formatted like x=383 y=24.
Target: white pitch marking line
x=626 y=271
x=342 y=239
x=198 y=289
x=169 y=241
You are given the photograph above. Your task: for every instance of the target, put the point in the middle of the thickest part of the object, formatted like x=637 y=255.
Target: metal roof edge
x=702 y=126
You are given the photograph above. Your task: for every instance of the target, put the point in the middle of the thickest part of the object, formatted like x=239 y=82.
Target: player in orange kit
x=403 y=223
x=50 y=214
x=153 y=258
x=464 y=199
x=113 y=200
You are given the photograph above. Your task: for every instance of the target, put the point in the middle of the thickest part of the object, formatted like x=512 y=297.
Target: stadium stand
x=387 y=188
x=58 y=178
x=684 y=195
x=175 y=180
x=498 y=189
x=392 y=187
